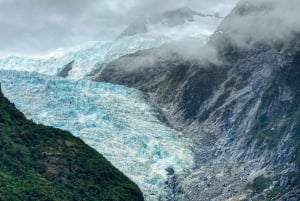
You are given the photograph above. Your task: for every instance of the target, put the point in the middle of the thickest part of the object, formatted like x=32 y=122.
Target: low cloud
x=250 y=22
x=255 y=21
x=36 y=27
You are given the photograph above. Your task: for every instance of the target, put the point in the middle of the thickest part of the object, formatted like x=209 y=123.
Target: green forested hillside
x=43 y=163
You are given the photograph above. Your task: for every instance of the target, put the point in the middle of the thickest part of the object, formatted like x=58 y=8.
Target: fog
x=37 y=27
x=255 y=21
x=249 y=23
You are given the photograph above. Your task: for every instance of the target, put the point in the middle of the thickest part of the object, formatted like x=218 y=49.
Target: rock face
x=239 y=104
x=66 y=69
x=243 y=112
x=44 y=163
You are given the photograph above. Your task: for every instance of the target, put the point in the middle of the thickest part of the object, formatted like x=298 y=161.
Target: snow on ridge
x=86 y=57
x=92 y=55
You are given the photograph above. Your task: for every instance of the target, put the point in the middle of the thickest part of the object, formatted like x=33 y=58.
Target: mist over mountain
x=231 y=99
x=75 y=63
x=240 y=106
x=36 y=28
x=179 y=21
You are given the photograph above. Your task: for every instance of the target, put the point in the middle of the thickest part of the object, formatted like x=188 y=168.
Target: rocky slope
x=237 y=99
x=240 y=106
x=44 y=163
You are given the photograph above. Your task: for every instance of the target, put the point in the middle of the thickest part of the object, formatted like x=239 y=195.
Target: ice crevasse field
x=117 y=121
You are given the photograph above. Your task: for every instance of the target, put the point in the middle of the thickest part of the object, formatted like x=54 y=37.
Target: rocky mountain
x=235 y=100
x=183 y=25
x=44 y=163
x=240 y=105
x=137 y=138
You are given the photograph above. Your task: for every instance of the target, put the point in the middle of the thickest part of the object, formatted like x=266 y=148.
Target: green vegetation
x=296 y=130
x=280 y=117
x=293 y=81
x=269 y=131
x=276 y=119
x=41 y=163
x=276 y=192
x=293 y=180
x=259 y=184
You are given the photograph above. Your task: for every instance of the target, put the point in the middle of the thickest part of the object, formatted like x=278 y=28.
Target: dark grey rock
x=66 y=69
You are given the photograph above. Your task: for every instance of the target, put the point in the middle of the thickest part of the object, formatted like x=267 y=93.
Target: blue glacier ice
x=117 y=121
x=86 y=57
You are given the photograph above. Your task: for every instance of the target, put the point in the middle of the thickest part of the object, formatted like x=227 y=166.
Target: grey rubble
x=243 y=113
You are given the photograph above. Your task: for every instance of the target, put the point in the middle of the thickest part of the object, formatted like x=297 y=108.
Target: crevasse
x=115 y=120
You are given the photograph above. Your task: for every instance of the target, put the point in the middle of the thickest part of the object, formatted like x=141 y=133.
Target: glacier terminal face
x=115 y=120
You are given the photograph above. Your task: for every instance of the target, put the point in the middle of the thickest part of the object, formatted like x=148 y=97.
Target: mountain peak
x=169 y=19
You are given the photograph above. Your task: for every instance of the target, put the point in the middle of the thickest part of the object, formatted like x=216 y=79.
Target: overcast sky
x=36 y=27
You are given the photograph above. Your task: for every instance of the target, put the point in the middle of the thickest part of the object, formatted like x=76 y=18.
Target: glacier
x=118 y=122
x=86 y=57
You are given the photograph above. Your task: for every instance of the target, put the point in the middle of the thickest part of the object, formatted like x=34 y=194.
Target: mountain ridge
x=241 y=110
x=239 y=104
x=171 y=18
